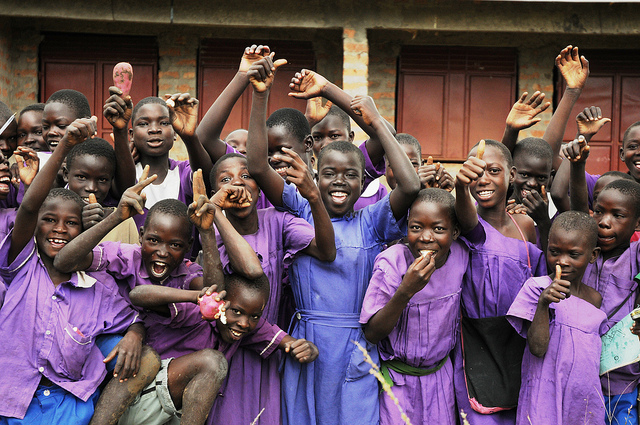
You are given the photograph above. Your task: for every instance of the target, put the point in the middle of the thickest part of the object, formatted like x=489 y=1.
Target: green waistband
x=406 y=369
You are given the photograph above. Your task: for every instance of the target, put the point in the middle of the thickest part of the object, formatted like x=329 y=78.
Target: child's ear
x=308 y=143
x=141 y=231
x=352 y=136
x=456 y=232
x=622 y=152
x=512 y=175
x=131 y=135
x=594 y=255
x=638 y=224
x=65 y=174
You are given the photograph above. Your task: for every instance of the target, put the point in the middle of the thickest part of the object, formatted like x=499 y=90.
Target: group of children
x=481 y=307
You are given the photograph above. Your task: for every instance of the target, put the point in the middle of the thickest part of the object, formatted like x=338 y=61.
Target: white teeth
x=235 y=333
x=160 y=264
x=58 y=241
x=485 y=193
x=5 y=180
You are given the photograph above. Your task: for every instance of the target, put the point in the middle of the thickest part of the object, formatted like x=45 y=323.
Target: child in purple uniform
x=51 y=372
x=503 y=257
x=562 y=321
x=617 y=213
x=277 y=237
x=412 y=309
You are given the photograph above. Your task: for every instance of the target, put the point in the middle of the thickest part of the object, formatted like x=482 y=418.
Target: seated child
x=277 y=237
x=502 y=257
x=329 y=295
x=617 y=213
x=561 y=318
x=60 y=312
x=412 y=309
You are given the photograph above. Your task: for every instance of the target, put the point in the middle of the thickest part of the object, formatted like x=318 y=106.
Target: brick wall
x=5 y=63
x=383 y=61
x=535 y=66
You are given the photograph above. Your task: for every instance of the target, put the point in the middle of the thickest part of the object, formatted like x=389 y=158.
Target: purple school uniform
x=50 y=330
x=424 y=335
x=13 y=198
x=337 y=388
x=7 y=219
x=563 y=387
x=369 y=196
x=279 y=238
x=613 y=279
x=498 y=268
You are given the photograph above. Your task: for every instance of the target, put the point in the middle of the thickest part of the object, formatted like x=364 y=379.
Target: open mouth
x=606 y=239
x=5 y=181
x=339 y=197
x=425 y=252
x=57 y=243
x=155 y=143
x=159 y=269
x=524 y=193
x=282 y=171
x=53 y=143
x=236 y=334
x=485 y=194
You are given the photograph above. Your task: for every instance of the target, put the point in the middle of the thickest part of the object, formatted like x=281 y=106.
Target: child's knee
x=212 y=363
x=150 y=362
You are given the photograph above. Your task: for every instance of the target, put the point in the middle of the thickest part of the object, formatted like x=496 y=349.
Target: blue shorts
x=106 y=343
x=622 y=409
x=53 y=405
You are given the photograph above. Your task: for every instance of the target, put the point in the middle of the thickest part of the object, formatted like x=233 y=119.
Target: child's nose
x=243 y=322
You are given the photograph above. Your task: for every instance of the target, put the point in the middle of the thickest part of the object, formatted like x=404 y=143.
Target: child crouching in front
x=561 y=318
x=412 y=309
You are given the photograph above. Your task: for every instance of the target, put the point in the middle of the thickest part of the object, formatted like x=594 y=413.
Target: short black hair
x=292 y=120
x=5 y=112
x=577 y=221
x=174 y=208
x=627 y=131
x=214 y=170
x=147 y=101
x=74 y=100
x=336 y=111
x=65 y=194
x=261 y=284
x=38 y=107
x=407 y=139
x=345 y=148
x=502 y=148
x=438 y=196
x=617 y=174
x=93 y=147
x=628 y=188
x=534 y=147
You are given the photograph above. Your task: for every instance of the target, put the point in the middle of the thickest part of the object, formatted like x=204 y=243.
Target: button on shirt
x=50 y=331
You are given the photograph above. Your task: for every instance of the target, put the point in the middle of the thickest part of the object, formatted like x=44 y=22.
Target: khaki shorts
x=153 y=406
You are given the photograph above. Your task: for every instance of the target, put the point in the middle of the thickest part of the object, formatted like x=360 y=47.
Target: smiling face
x=165 y=240
x=414 y=157
x=152 y=132
x=330 y=129
x=244 y=312
x=340 y=181
x=617 y=221
x=630 y=152
x=280 y=138
x=531 y=174
x=90 y=174
x=430 y=228
x=30 y=131
x=58 y=223
x=5 y=178
x=9 y=138
x=572 y=251
x=234 y=171
x=55 y=120
x=490 y=190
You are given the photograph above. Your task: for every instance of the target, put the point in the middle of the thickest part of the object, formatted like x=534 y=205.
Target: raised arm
x=577 y=153
x=261 y=76
x=216 y=117
x=472 y=169
x=27 y=215
x=78 y=254
x=575 y=70
x=307 y=84
x=523 y=114
x=538 y=333
x=407 y=180
x=118 y=110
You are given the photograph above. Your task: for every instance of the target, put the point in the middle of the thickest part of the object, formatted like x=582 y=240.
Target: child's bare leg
x=118 y=396
x=194 y=381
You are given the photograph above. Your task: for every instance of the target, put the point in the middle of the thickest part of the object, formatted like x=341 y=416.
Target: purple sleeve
x=9 y=271
x=295 y=203
x=371 y=171
x=591 y=183
x=383 y=284
x=186 y=181
x=116 y=258
x=297 y=235
x=523 y=308
x=265 y=339
x=182 y=315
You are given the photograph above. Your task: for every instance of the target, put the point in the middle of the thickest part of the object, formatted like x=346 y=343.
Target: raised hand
x=515 y=208
x=307 y=84
x=577 y=150
x=443 y=178
x=418 y=274
x=262 y=73
x=298 y=173
x=229 y=196
x=537 y=205
x=183 y=110
x=132 y=200
x=590 y=121
x=92 y=213
x=524 y=112
x=28 y=164
x=118 y=108
x=201 y=211
x=80 y=130
x=557 y=291
x=473 y=168
x=366 y=108
x=315 y=111
x=252 y=55
x=573 y=67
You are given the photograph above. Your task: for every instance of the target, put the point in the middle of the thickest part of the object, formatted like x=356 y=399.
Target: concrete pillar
x=355 y=75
